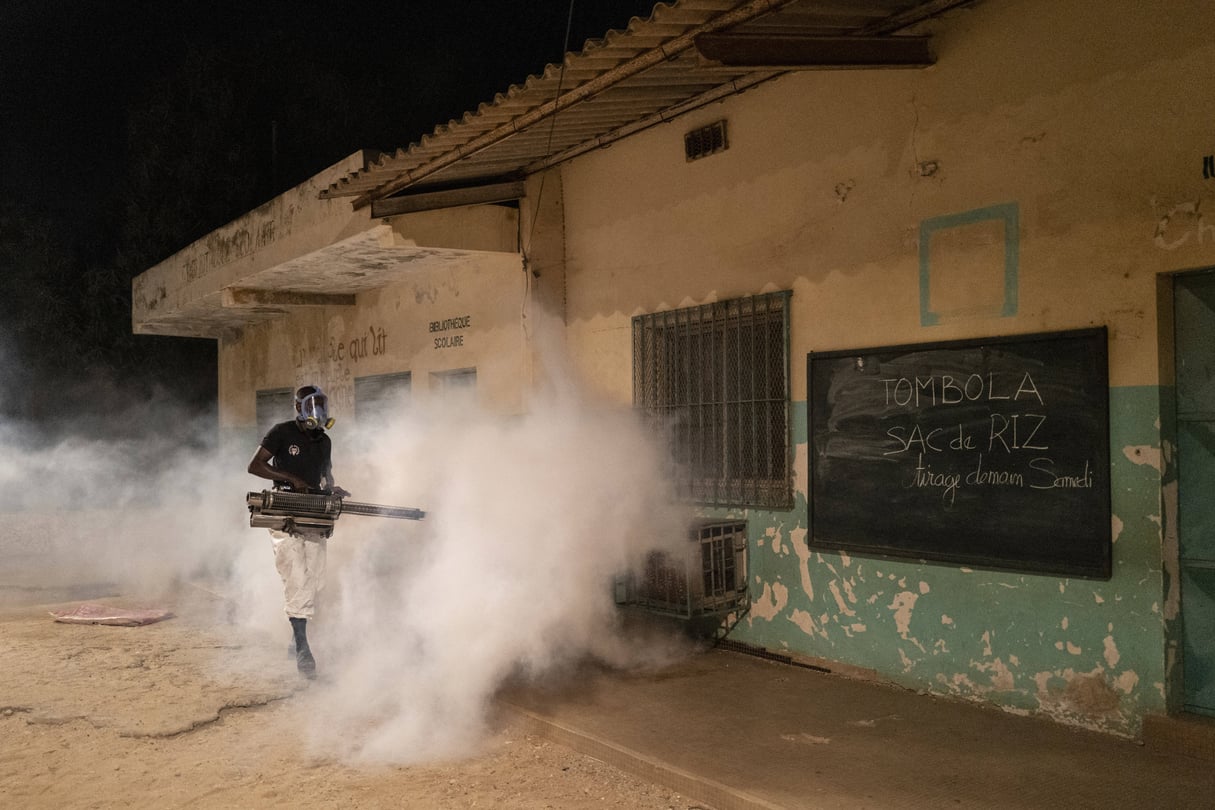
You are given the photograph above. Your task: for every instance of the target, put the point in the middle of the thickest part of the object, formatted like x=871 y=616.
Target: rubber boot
x=304 y=661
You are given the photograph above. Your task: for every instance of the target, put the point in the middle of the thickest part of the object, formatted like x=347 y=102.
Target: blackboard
x=989 y=453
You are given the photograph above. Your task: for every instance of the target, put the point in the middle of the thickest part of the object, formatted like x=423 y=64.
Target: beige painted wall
x=1091 y=122
x=292 y=224
x=398 y=328
x=501 y=269
x=1093 y=118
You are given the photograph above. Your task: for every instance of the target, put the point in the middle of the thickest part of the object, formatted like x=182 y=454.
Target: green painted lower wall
x=1085 y=652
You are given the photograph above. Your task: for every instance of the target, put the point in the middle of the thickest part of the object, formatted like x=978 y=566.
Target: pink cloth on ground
x=92 y=613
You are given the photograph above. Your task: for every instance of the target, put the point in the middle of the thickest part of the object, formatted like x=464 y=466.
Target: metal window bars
x=716 y=378
x=707 y=580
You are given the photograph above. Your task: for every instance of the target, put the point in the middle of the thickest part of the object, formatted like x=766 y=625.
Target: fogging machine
x=313 y=511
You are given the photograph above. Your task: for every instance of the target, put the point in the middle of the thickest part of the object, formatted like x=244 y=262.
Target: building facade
x=1037 y=191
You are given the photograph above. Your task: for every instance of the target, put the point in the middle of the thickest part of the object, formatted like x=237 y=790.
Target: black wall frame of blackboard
x=991 y=453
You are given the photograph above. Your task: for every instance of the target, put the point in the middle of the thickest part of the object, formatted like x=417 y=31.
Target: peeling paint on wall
x=1177 y=224
x=1144 y=455
x=773 y=601
x=841 y=605
x=805 y=622
x=776 y=540
x=1111 y=651
x=986 y=635
x=1001 y=676
x=902 y=606
x=802 y=550
x=1126 y=682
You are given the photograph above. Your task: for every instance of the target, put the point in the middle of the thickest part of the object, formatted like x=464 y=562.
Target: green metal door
x=1194 y=301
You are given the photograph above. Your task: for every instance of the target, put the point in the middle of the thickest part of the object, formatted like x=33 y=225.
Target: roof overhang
x=301 y=251
x=370 y=219
x=685 y=55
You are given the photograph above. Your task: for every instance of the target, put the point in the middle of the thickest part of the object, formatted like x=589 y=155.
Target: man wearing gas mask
x=295 y=455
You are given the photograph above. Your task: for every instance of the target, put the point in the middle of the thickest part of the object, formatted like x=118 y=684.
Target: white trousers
x=301 y=564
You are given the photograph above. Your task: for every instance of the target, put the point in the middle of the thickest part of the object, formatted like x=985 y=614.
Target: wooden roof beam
x=429 y=201
x=794 y=52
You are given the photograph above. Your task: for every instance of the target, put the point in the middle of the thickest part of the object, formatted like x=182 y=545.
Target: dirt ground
x=95 y=716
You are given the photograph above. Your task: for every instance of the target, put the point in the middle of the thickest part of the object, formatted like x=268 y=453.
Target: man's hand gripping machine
x=309 y=512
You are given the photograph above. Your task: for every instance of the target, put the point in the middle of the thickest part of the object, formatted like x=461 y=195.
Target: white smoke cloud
x=422 y=623
x=87 y=511
x=530 y=518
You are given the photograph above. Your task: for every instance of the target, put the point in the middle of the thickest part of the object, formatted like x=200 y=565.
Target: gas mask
x=312 y=408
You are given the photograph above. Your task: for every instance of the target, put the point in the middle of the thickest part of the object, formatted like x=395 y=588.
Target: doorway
x=1194 y=311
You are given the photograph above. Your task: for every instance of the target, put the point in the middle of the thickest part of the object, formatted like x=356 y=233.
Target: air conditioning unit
x=709 y=579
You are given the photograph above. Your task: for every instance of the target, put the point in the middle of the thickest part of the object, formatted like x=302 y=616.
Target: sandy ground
x=147 y=717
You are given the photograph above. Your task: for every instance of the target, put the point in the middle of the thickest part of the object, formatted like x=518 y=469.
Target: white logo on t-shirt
x=294 y=450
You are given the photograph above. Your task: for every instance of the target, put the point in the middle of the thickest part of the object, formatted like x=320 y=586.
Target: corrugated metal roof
x=308 y=245
x=615 y=86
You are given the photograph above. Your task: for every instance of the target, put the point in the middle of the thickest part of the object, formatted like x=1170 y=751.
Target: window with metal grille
x=455 y=385
x=382 y=396
x=705 y=141
x=717 y=376
x=718 y=568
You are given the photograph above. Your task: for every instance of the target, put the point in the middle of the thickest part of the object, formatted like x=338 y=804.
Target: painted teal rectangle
x=1009 y=213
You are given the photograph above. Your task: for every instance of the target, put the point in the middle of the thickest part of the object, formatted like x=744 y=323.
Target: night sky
x=71 y=69
x=131 y=128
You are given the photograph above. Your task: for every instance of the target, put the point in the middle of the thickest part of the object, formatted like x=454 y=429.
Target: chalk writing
x=993 y=478
x=946 y=482
x=991 y=451
x=919 y=392
x=1049 y=479
x=1006 y=432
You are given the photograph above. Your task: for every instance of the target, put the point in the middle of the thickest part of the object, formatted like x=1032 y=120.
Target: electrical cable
x=548 y=153
x=552 y=124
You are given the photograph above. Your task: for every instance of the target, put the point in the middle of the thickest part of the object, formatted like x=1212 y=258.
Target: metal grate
x=708 y=580
x=706 y=141
x=382 y=396
x=717 y=377
x=718 y=571
x=664 y=584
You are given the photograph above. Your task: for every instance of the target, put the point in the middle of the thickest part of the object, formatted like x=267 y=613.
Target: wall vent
x=706 y=141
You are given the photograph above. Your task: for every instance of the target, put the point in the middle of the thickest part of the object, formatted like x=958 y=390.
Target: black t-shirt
x=302 y=452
